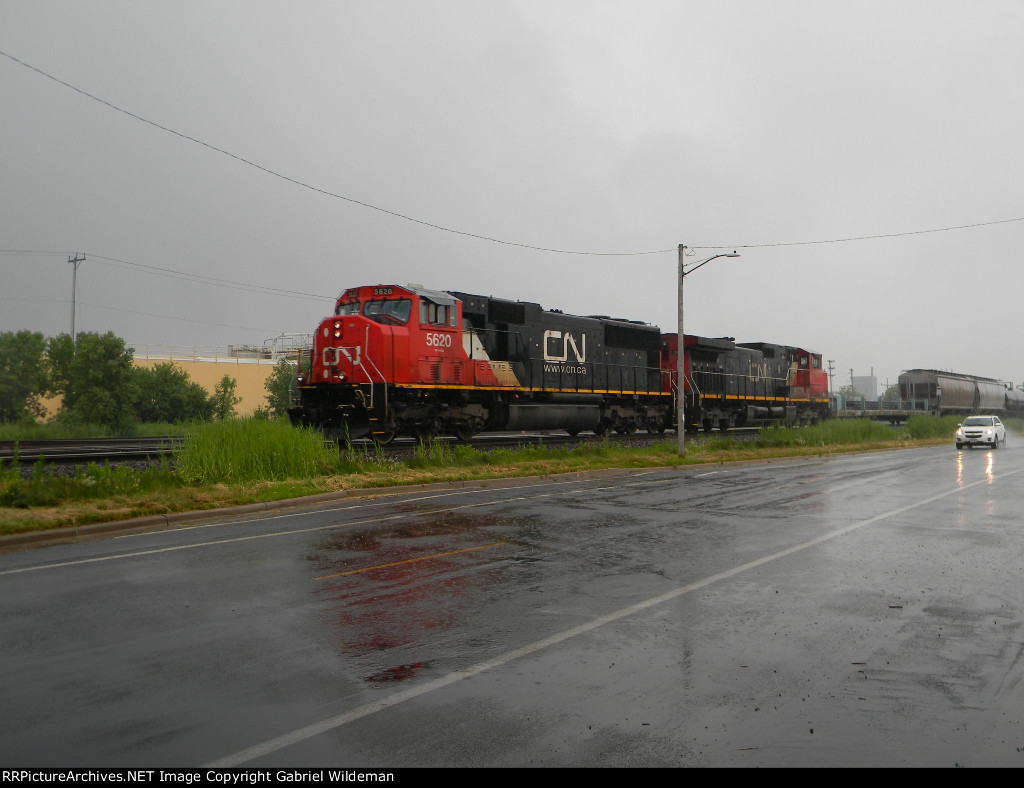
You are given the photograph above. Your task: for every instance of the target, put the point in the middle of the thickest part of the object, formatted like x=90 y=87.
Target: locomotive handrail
x=694 y=386
x=369 y=377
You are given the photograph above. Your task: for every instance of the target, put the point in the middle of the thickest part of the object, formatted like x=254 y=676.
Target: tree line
x=98 y=384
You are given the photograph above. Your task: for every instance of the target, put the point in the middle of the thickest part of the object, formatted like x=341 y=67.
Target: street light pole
x=681 y=366
x=681 y=349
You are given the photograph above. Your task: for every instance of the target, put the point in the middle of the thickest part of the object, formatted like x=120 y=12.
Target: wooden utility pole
x=78 y=258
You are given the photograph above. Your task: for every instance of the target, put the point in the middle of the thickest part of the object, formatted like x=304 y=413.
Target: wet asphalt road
x=859 y=611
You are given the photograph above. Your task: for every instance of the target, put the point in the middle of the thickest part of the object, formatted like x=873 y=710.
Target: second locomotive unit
x=738 y=385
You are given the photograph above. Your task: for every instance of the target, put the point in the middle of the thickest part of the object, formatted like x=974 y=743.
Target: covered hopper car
x=944 y=393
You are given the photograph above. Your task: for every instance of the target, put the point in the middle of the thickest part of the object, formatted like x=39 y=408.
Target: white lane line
x=309 y=731
x=289 y=532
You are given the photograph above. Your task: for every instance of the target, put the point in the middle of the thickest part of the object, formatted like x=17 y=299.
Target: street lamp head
x=693 y=268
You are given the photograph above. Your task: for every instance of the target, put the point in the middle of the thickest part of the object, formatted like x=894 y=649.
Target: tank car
x=407 y=360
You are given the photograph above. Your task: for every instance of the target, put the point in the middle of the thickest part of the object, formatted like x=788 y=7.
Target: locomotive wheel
x=384 y=438
x=709 y=425
x=464 y=434
x=572 y=433
x=422 y=433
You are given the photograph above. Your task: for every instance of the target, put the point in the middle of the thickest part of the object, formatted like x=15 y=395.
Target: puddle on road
x=399 y=585
x=400 y=673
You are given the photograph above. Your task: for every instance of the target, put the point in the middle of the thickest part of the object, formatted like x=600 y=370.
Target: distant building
x=866 y=386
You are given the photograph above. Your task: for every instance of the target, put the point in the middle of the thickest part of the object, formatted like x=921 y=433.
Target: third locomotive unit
x=396 y=360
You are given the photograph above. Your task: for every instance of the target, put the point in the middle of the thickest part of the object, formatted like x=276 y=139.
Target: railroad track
x=117 y=450
x=495 y=440
x=86 y=450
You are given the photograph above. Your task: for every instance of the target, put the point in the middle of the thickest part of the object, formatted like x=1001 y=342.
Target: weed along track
x=236 y=462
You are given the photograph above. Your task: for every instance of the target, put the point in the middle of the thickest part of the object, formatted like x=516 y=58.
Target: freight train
x=396 y=360
x=933 y=391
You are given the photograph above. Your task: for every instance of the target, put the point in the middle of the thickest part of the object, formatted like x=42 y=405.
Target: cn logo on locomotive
x=332 y=355
x=551 y=343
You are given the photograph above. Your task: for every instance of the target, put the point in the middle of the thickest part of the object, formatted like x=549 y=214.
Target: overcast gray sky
x=593 y=127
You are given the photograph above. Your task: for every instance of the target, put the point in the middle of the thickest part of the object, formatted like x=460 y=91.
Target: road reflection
x=395 y=589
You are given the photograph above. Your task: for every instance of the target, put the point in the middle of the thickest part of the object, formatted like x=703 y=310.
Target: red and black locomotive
x=406 y=360
x=739 y=385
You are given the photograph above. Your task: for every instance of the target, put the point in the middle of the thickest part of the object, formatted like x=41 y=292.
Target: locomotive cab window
x=396 y=310
x=432 y=314
x=351 y=308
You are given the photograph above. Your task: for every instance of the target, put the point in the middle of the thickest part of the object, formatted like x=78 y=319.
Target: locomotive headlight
x=337 y=335
x=301 y=378
x=337 y=324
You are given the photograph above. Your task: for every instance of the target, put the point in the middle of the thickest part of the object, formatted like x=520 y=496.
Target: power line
x=135 y=312
x=863 y=237
x=212 y=280
x=172 y=317
x=305 y=185
x=184 y=275
x=465 y=233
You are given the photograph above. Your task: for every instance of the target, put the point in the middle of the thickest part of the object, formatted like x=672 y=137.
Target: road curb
x=172 y=519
